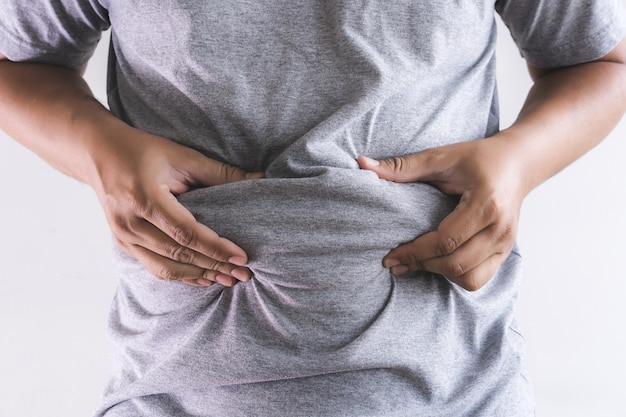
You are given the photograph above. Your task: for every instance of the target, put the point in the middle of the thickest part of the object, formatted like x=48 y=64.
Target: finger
x=206 y=171
x=469 y=218
x=476 y=278
x=146 y=235
x=168 y=270
x=171 y=217
x=200 y=282
x=466 y=258
x=420 y=166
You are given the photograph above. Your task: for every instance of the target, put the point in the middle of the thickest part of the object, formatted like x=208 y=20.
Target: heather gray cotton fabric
x=299 y=90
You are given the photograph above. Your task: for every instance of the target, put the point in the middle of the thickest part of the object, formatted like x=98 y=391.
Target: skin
x=136 y=175
x=567 y=112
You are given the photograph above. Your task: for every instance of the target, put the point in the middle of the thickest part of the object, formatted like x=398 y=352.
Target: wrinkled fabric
x=300 y=90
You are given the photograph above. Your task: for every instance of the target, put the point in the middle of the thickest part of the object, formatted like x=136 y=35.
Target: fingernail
x=204 y=282
x=242 y=274
x=238 y=260
x=371 y=162
x=225 y=280
x=391 y=262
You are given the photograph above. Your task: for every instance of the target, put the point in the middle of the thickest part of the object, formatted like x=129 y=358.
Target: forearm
x=567 y=112
x=52 y=111
x=135 y=174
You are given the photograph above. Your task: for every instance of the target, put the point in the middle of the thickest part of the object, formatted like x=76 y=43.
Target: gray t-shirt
x=300 y=90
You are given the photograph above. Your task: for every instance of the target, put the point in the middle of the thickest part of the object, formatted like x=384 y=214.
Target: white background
x=56 y=280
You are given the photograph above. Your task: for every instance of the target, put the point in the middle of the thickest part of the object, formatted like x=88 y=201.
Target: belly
x=320 y=308
x=315 y=247
x=328 y=232
x=316 y=244
x=319 y=299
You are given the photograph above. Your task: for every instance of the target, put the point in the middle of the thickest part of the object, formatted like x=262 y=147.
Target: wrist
x=527 y=163
x=101 y=135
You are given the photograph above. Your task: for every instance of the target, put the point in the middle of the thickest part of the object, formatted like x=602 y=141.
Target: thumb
x=206 y=171
x=410 y=168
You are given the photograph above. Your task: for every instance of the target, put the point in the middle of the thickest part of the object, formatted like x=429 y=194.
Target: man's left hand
x=469 y=245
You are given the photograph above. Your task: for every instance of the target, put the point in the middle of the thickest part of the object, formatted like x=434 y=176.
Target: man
x=266 y=110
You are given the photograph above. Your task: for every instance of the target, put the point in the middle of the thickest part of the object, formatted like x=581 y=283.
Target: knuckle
x=120 y=224
x=209 y=274
x=448 y=245
x=168 y=274
x=123 y=214
x=433 y=154
x=126 y=230
x=228 y=172
x=411 y=258
x=396 y=164
x=494 y=208
x=454 y=270
x=183 y=235
x=138 y=204
x=182 y=254
x=216 y=257
x=471 y=285
x=213 y=267
x=507 y=233
x=475 y=279
x=469 y=282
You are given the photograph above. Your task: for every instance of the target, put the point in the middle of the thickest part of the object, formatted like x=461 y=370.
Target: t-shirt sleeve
x=555 y=33
x=60 y=32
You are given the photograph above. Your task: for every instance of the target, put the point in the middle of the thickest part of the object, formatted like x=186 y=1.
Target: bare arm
x=567 y=112
x=52 y=111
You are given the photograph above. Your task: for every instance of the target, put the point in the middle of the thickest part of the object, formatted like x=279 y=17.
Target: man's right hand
x=137 y=177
